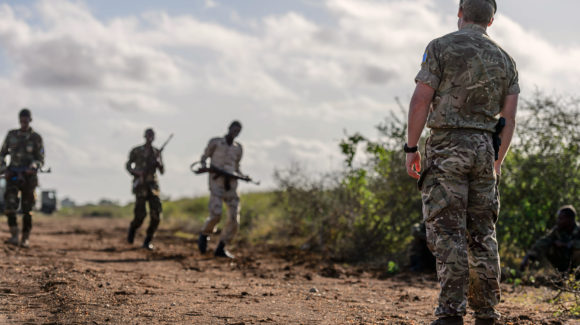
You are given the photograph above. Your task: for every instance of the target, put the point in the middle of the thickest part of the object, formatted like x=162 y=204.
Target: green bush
x=366 y=210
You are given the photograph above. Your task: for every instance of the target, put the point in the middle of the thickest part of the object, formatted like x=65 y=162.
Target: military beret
x=25 y=112
x=492 y=2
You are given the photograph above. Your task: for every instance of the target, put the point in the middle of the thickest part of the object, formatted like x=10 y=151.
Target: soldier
x=225 y=153
x=26 y=151
x=144 y=161
x=420 y=257
x=465 y=83
x=561 y=246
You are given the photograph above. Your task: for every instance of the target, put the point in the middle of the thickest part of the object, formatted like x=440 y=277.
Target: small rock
x=173 y=304
x=314 y=290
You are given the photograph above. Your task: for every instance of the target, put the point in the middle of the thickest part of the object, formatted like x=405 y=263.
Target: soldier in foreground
x=144 y=161
x=561 y=246
x=26 y=151
x=225 y=153
x=465 y=84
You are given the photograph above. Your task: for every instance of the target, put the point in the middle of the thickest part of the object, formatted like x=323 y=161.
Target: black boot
x=481 y=321
x=221 y=251
x=147 y=243
x=452 y=320
x=202 y=243
x=131 y=235
x=25 y=243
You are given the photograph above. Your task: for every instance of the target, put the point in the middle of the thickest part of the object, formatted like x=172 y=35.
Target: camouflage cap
x=567 y=210
x=492 y=2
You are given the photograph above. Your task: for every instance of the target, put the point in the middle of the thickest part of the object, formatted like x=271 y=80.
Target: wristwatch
x=411 y=149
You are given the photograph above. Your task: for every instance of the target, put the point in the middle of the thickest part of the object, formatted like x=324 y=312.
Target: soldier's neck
x=229 y=140
x=463 y=24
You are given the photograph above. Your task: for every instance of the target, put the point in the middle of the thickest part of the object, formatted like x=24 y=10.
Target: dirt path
x=80 y=271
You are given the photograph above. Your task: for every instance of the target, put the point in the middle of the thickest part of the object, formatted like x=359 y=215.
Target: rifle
x=219 y=172
x=496 y=139
x=18 y=172
x=151 y=165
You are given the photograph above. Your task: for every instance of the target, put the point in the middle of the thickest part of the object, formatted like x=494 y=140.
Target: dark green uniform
x=146 y=189
x=26 y=152
x=562 y=258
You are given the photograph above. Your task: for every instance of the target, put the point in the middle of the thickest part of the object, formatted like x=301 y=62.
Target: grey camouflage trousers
x=460 y=209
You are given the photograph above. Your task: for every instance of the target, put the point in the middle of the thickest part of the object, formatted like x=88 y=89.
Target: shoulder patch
x=424 y=56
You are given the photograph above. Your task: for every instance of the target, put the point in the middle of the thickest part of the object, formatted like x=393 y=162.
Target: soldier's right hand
x=413 y=160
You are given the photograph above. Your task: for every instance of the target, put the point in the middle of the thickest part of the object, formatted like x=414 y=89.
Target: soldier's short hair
x=567 y=211
x=149 y=130
x=236 y=123
x=478 y=11
x=25 y=112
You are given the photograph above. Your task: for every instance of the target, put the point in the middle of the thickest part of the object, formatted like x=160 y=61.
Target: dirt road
x=80 y=271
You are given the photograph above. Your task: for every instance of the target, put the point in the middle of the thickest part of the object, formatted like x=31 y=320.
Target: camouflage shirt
x=25 y=149
x=471 y=76
x=143 y=158
x=543 y=245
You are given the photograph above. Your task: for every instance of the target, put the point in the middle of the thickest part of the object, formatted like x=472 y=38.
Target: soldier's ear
x=460 y=13
x=490 y=22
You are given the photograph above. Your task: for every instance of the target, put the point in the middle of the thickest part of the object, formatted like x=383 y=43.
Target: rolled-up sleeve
x=514 y=86
x=430 y=73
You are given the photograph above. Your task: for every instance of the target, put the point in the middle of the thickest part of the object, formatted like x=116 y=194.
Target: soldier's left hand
x=413 y=160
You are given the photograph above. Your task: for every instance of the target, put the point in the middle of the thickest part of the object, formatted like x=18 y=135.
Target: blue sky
x=297 y=73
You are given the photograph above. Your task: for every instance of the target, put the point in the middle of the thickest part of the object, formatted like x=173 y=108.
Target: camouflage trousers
x=147 y=193
x=25 y=185
x=460 y=209
x=217 y=197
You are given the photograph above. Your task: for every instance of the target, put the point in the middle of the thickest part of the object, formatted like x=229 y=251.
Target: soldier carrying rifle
x=224 y=173
x=143 y=163
x=26 y=151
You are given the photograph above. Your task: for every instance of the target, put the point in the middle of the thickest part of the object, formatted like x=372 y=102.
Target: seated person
x=561 y=246
x=421 y=258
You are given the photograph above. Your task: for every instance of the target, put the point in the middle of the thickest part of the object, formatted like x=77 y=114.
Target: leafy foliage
x=366 y=211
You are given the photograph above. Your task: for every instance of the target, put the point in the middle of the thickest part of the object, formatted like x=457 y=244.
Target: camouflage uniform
x=226 y=157
x=26 y=151
x=471 y=76
x=561 y=258
x=146 y=189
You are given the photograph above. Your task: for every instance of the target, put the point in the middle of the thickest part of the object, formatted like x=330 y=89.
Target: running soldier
x=466 y=83
x=225 y=153
x=144 y=161
x=26 y=151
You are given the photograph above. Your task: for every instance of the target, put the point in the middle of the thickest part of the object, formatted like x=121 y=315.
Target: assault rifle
x=151 y=164
x=18 y=172
x=219 y=172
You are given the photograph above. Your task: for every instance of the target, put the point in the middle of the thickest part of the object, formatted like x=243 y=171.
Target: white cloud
x=95 y=84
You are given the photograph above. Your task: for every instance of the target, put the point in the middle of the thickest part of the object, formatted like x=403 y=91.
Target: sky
x=297 y=73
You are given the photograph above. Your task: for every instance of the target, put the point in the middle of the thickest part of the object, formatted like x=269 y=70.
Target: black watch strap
x=411 y=149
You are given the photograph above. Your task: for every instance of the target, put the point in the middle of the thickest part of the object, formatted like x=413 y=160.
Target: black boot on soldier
x=480 y=321
x=147 y=243
x=221 y=251
x=131 y=235
x=452 y=320
x=202 y=243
